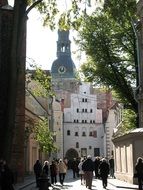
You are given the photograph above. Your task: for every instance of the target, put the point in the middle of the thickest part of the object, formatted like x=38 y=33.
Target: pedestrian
x=75 y=168
x=45 y=169
x=96 y=167
x=88 y=168
x=81 y=172
x=53 y=172
x=111 y=165
x=37 y=171
x=7 y=178
x=62 y=169
x=139 y=170
x=104 y=171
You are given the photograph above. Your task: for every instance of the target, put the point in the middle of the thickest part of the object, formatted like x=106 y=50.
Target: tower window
x=77 y=144
x=68 y=132
x=83 y=134
x=76 y=133
x=90 y=133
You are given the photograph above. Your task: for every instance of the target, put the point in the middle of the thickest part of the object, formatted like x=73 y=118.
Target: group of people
x=6 y=176
x=57 y=167
x=83 y=168
x=87 y=167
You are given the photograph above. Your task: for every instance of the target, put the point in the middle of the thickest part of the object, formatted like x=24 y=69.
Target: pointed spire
x=3 y=3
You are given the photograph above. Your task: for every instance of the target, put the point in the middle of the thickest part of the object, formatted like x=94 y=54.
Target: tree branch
x=32 y=6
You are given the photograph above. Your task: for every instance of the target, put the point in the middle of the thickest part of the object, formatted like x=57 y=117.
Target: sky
x=42 y=42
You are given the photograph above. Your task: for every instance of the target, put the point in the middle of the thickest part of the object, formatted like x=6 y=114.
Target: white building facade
x=83 y=128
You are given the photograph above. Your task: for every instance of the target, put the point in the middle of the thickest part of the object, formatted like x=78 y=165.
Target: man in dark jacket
x=104 y=171
x=88 y=168
x=37 y=171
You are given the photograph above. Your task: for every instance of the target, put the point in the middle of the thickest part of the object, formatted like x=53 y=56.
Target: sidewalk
x=121 y=184
x=28 y=180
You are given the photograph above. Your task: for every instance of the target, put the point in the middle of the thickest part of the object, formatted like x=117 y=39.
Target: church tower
x=63 y=69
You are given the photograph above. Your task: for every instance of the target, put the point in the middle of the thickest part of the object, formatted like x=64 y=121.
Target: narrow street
x=75 y=184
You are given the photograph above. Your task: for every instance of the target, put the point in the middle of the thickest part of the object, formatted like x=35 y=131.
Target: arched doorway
x=70 y=155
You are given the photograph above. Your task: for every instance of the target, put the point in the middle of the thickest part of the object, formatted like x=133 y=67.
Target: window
x=83 y=152
x=77 y=120
x=77 y=110
x=90 y=133
x=82 y=99
x=85 y=110
x=90 y=121
x=93 y=121
x=96 y=152
x=82 y=121
x=90 y=147
x=83 y=134
x=82 y=110
x=76 y=133
x=74 y=121
x=94 y=134
x=68 y=132
x=77 y=144
x=85 y=121
x=85 y=99
x=90 y=110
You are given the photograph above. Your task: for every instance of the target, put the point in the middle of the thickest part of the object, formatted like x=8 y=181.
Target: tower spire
x=63 y=43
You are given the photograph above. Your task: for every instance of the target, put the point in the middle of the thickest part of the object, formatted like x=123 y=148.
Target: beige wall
x=127 y=149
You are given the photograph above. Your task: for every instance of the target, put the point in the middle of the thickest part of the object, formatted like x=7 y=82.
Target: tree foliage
x=107 y=37
x=44 y=136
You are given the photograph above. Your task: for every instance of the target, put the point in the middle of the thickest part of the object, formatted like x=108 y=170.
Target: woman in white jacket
x=81 y=172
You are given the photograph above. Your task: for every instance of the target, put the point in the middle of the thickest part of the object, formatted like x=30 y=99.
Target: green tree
x=108 y=39
x=44 y=136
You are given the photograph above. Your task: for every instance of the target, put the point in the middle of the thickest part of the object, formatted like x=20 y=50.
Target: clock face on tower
x=62 y=70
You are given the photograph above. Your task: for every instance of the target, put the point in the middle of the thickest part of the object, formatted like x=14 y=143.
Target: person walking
x=62 y=169
x=81 y=172
x=74 y=167
x=139 y=170
x=88 y=168
x=111 y=164
x=53 y=172
x=37 y=171
x=46 y=168
x=104 y=171
x=96 y=166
